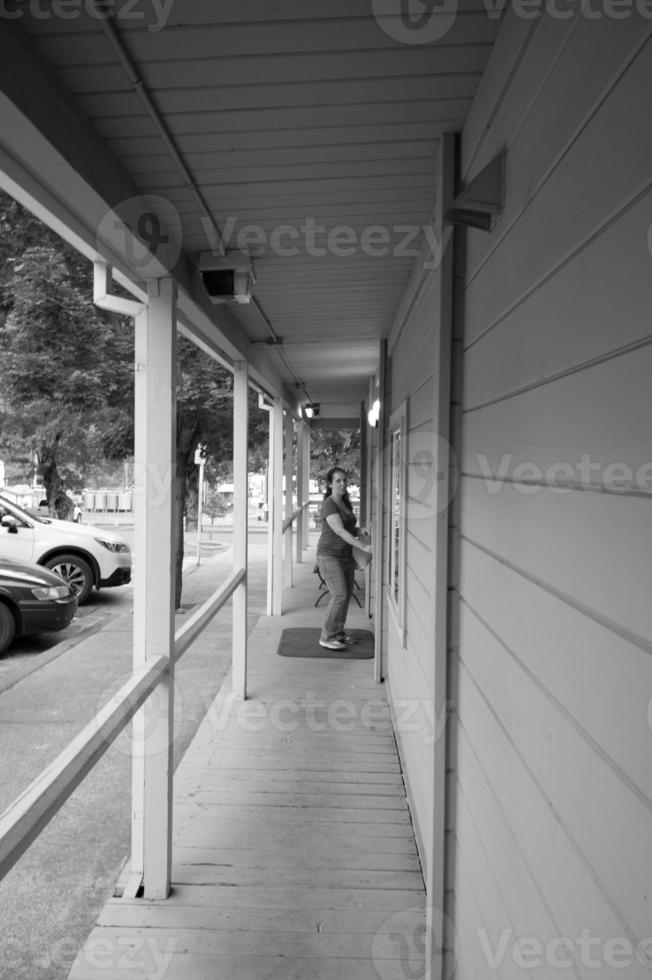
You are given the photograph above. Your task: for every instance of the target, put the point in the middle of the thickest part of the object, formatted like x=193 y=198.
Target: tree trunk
x=59 y=503
x=180 y=501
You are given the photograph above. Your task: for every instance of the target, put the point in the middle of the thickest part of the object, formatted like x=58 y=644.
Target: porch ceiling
x=292 y=118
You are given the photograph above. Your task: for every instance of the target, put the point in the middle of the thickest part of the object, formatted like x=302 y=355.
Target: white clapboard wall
x=553 y=781
x=550 y=782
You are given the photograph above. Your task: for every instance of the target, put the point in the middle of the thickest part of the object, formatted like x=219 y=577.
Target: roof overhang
x=309 y=137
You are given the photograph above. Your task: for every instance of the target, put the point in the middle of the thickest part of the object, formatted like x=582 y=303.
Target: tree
x=216 y=504
x=205 y=418
x=67 y=397
x=334 y=447
x=68 y=373
x=204 y=398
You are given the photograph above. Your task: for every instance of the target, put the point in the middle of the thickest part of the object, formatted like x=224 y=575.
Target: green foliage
x=68 y=370
x=205 y=409
x=216 y=504
x=334 y=447
x=205 y=418
x=67 y=394
x=204 y=399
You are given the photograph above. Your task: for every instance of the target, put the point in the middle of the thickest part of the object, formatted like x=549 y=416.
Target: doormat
x=302 y=641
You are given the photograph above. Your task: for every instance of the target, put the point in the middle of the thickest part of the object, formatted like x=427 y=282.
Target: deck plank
x=294 y=855
x=138 y=914
x=142 y=963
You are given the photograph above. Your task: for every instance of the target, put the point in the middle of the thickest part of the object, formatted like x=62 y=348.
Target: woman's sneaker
x=332 y=644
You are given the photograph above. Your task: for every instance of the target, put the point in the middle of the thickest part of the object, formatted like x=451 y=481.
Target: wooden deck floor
x=294 y=855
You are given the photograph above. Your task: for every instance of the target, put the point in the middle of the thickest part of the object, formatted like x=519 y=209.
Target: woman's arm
x=336 y=524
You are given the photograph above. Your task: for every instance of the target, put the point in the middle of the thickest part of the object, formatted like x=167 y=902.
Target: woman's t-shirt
x=329 y=542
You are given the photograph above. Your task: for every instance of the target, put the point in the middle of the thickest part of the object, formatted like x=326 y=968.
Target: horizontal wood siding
x=553 y=789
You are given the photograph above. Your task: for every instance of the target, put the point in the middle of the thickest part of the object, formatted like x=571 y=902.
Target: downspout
x=104 y=297
x=379 y=526
x=447 y=417
x=449 y=723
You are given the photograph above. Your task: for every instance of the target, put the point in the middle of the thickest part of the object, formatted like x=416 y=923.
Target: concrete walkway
x=294 y=854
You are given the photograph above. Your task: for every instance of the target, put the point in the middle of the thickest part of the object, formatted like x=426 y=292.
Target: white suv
x=84 y=556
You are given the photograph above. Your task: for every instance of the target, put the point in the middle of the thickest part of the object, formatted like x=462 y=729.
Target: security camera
x=227 y=277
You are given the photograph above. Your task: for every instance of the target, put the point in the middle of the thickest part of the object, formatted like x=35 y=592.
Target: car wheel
x=7 y=627
x=75 y=572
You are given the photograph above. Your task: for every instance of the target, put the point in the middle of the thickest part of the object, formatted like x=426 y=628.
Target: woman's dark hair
x=329 y=486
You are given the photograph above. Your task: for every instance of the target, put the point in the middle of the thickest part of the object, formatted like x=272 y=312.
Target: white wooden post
x=379 y=527
x=289 y=505
x=370 y=515
x=301 y=489
x=305 y=517
x=199 y=461
x=240 y=523
x=364 y=516
x=154 y=542
x=275 y=510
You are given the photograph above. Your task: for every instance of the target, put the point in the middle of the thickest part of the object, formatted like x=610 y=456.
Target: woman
x=339 y=534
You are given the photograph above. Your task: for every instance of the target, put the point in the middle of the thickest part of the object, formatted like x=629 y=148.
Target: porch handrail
x=189 y=632
x=29 y=814
x=290 y=520
x=25 y=818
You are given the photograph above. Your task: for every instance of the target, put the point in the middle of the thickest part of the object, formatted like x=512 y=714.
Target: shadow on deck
x=294 y=855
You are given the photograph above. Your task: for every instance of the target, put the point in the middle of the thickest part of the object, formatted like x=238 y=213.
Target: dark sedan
x=32 y=600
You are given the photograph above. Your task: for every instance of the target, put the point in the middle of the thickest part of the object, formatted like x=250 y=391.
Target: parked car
x=85 y=557
x=44 y=511
x=32 y=600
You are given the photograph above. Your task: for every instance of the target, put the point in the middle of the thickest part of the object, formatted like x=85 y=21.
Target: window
x=396 y=512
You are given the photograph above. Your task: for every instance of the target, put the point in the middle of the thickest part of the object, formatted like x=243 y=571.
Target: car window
x=5 y=512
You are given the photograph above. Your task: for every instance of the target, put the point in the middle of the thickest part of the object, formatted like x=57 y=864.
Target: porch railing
x=287 y=528
x=29 y=814
x=288 y=522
